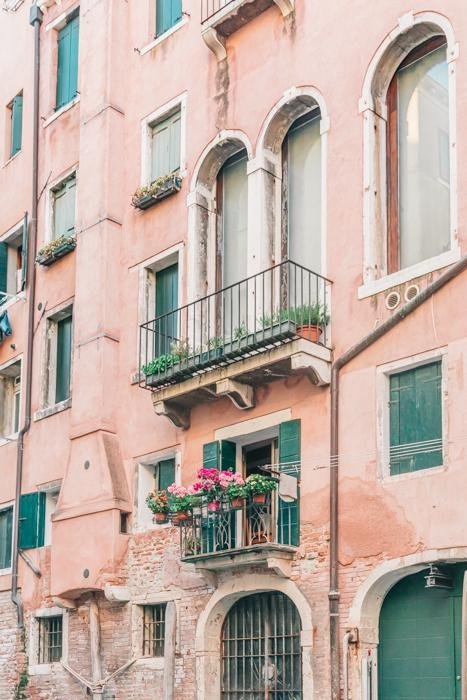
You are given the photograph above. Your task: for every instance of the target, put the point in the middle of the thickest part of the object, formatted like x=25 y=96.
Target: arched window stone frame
x=202 y=211
x=267 y=167
x=411 y=30
x=209 y=628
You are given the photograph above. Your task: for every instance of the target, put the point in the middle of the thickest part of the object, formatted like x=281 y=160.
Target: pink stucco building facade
x=218 y=200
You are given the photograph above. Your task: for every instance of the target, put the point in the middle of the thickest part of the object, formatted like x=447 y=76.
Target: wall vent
x=411 y=292
x=393 y=300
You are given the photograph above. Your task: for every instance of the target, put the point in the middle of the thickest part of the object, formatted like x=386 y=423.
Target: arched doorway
x=261 y=649
x=420 y=637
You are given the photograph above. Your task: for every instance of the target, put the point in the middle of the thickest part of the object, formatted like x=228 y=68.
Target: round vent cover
x=411 y=292
x=393 y=300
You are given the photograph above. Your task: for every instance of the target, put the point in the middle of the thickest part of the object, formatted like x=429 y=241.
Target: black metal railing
x=220 y=528
x=209 y=8
x=273 y=307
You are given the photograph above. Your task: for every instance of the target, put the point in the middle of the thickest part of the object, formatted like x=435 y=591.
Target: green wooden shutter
x=24 y=252
x=211 y=455
x=31 y=520
x=220 y=455
x=64 y=332
x=16 y=124
x=166 y=473
x=415 y=419
x=166 y=328
x=6 y=532
x=3 y=270
x=67 y=64
x=288 y=523
x=168 y=13
x=64 y=208
x=166 y=146
x=174 y=142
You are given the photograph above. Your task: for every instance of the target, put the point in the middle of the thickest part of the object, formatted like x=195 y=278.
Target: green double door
x=420 y=639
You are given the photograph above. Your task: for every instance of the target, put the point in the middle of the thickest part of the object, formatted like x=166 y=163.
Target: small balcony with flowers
x=264 y=328
x=226 y=521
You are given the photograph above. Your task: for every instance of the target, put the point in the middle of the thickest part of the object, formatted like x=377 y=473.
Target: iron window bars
x=50 y=639
x=153 y=629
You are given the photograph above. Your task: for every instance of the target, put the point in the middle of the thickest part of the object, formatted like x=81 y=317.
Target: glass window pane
x=423 y=133
x=234 y=221
x=6 y=522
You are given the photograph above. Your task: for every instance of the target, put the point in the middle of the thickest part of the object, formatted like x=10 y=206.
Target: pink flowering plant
x=180 y=500
x=234 y=485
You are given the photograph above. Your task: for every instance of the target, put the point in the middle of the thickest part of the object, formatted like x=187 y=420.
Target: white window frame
x=52 y=493
x=145 y=483
x=383 y=374
x=13 y=435
x=47 y=402
x=37 y=669
x=147 y=124
x=157 y=663
x=50 y=201
x=7 y=506
x=11 y=235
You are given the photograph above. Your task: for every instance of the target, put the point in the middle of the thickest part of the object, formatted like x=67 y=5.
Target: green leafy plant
x=305 y=315
x=240 y=332
x=158 y=502
x=51 y=248
x=258 y=484
x=180 y=501
x=160 y=364
x=192 y=546
x=236 y=491
x=155 y=187
x=216 y=342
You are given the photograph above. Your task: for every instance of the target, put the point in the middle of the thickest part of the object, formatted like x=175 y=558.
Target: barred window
x=50 y=639
x=153 y=629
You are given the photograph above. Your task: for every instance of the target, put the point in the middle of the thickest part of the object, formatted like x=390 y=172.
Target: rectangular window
x=415 y=419
x=168 y=13
x=154 y=629
x=6 y=533
x=13 y=254
x=166 y=327
x=10 y=399
x=58 y=358
x=64 y=199
x=165 y=146
x=16 y=124
x=164 y=474
x=64 y=335
x=67 y=62
x=50 y=639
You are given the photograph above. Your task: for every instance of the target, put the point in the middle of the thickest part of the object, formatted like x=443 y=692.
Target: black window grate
x=153 y=629
x=50 y=639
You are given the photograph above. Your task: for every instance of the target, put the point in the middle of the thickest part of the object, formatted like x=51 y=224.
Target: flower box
x=146 y=197
x=55 y=250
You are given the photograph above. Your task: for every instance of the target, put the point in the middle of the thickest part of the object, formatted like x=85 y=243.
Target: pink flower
x=177 y=490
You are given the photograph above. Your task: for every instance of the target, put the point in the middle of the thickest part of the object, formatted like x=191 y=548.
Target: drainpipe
x=341 y=361
x=35 y=19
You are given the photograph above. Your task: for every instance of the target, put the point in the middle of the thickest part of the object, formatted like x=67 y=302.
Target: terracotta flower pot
x=312 y=333
x=180 y=517
x=259 y=498
x=213 y=506
x=160 y=518
x=237 y=502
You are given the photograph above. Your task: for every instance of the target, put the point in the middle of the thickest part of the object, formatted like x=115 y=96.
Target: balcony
x=221 y=18
x=253 y=534
x=264 y=328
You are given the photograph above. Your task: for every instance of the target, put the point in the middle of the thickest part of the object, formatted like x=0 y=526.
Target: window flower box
x=55 y=250
x=146 y=197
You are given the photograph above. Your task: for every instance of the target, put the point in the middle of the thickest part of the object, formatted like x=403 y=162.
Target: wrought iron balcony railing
x=258 y=313
x=226 y=529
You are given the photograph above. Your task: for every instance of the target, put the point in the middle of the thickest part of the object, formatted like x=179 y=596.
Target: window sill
x=9 y=302
x=43 y=669
x=61 y=111
x=52 y=410
x=11 y=159
x=409 y=273
x=154 y=662
x=6 y=440
x=160 y=39
x=5 y=572
x=428 y=471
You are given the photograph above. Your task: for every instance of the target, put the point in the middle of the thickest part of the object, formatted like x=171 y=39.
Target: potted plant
x=180 y=503
x=148 y=195
x=236 y=490
x=310 y=320
x=158 y=503
x=208 y=485
x=56 y=249
x=259 y=486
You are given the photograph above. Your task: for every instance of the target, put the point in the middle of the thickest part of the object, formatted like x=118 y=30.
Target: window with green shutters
x=67 y=62
x=13 y=261
x=168 y=13
x=219 y=454
x=63 y=371
x=6 y=534
x=16 y=110
x=165 y=146
x=31 y=520
x=64 y=203
x=166 y=327
x=164 y=474
x=415 y=419
x=288 y=519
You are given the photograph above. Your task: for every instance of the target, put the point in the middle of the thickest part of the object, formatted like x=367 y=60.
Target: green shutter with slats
x=288 y=523
x=24 y=252
x=218 y=455
x=64 y=208
x=67 y=63
x=64 y=333
x=415 y=419
x=6 y=533
x=16 y=124
x=165 y=473
x=166 y=326
x=166 y=146
x=168 y=13
x=31 y=520
x=3 y=270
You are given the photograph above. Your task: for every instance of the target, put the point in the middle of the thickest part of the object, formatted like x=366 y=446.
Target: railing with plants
x=222 y=512
x=211 y=7
x=273 y=307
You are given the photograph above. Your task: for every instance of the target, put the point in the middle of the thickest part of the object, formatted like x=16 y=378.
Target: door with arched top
x=261 y=652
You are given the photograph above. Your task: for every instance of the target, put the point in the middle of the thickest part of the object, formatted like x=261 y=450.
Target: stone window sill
x=159 y=39
x=12 y=158
x=154 y=662
x=418 y=474
x=61 y=111
x=52 y=410
x=43 y=669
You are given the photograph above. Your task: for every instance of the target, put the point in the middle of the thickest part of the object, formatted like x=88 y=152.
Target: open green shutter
x=288 y=525
x=31 y=520
x=220 y=455
x=64 y=332
x=24 y=252
x=74 y=48
x=166 y=469
x=166 y=302
x=167 y=13
x=6 y=531
x=211 y=455
x=16 y=124
x=3 y=270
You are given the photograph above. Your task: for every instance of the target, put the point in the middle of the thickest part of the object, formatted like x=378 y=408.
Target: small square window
x=50 y=639
x=154 y=629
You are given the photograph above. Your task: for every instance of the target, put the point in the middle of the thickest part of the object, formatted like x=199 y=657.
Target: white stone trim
x=35 y=669
x=7 y=506
x=60 y=21
x=208 y=629
x=383 y=373
x=253 y=425
x=58 y=113
x=49 y=355
x=49 y=200
x=149 y=121
x=143 y=520
x=162 y=37
x=224 y=136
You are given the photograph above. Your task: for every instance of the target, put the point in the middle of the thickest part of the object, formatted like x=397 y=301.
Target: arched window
x=418 y=172
x=261 y=652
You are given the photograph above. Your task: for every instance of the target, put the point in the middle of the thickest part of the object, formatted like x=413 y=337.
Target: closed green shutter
x=31 y=520
x=166 y=473
x=64 y=209
x=288 y=523
x=166 y=328
x=67 y=64
x=3 y=270
x=6 y=531
x=64 y=332
x=24 y=252
x=16 y=124
x=415 y=419
x=220 y=455
x=168 y=13
x=166 y=146
x=211 y=455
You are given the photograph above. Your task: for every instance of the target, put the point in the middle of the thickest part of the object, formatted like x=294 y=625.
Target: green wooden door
x=166 y=327
x=420 y=640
